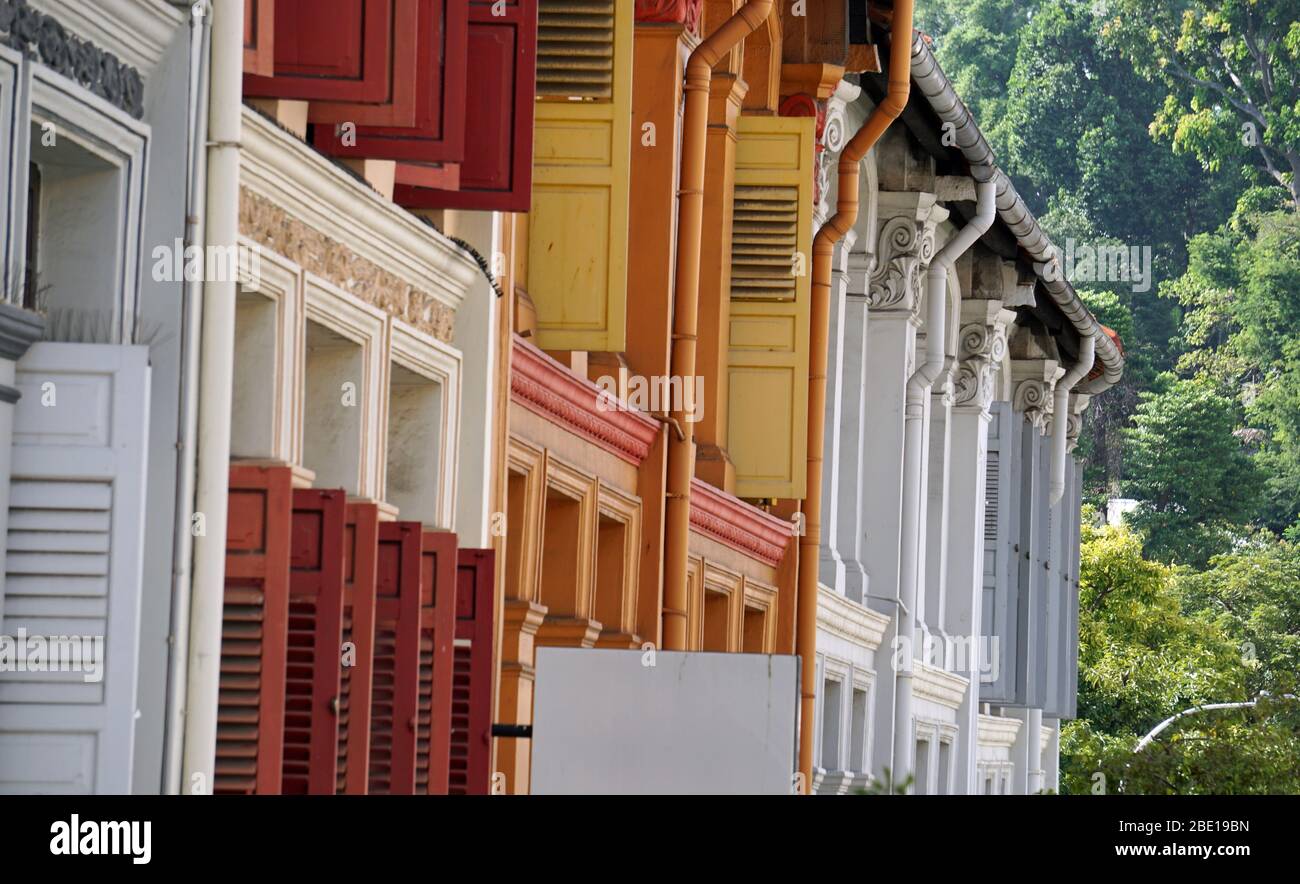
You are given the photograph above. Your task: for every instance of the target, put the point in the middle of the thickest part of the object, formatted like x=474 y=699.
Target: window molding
x=430 y=358
x=528 y=463
x=119 y=141
x=763 y=597
x=327 y=305
x=281 y=283
x=626 y=509
x=13 y=172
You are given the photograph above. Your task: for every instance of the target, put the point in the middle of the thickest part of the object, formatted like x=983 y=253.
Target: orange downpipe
x=686 y=303
x=846 y=215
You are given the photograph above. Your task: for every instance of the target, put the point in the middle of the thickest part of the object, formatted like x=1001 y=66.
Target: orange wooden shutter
x=250 y=705
x=395 y=695
x=360 y=548
x=311 y=724
x=471 y=710
x=437 y=637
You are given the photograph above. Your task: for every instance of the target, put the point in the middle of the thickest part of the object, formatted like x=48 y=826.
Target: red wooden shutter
x=500 y=90
x=311 y=724
x=250 y=705
x=395 y=695
x=361 y=54
x=471 y=715
x=437 y=636
x=438 y=133
x=259 y=37
x=360 y=548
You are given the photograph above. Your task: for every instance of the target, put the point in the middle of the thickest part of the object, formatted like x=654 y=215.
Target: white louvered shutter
x=75 y=551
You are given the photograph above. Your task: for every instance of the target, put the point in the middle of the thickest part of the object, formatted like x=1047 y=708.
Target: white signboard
x=614 y=722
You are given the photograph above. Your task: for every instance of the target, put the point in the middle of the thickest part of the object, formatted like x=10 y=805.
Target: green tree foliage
x=1241 y=296
x=1254 y=595
x=1151 y=646
x=1194 y=479
x=1231 y=72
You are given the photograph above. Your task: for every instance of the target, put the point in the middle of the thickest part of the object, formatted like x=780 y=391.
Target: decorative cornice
x=309 y=187
x=547 y=388
x=997 y=731
x=138 y=31
x=42 y=37
x=273 y=227
x=850 y=621
x=683 y=12
x=739 y=525
x=939 y=685
x=19 y=329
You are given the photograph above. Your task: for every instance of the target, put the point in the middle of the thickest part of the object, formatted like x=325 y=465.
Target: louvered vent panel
x=57 y=581
x=992 y=473
x=424 y=716
x=461 y=698
x=239 y=697
x=345 y=706
x=383 y=694
x=575 y=49
x=764 y=241
x=298 y=696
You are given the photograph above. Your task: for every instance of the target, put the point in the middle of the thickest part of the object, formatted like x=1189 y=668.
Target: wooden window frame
x=762 y=597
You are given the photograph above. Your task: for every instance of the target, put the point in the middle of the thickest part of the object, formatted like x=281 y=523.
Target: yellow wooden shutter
x=771 y=284
x=577 y=236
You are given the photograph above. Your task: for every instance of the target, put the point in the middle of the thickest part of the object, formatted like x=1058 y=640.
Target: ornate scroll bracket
x=903 y=252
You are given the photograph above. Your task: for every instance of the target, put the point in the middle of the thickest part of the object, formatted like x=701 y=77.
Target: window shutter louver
x=259 y=37
x=311 y=725
x=575 y=49
x=771 y=254
x=499 y=96
x=437 y=134
x=395 y=692
x=361 y=548
x=578 y=220
x=361 y=57
x=254 y=632
x=997 y=602
x=75 y=553
x=471 y=725
x=437 y=635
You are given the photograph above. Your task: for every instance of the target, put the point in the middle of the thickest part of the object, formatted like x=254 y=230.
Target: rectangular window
x=414 y=445
x=922 y=778
x=333 y=409
x=31 y=283
x=716 y=621
x=945 y=754
x=831 y=702
x=858 y=731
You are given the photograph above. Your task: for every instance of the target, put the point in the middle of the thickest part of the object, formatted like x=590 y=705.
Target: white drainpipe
x=192 y=299
x=216 y=363
x=1060 y=413
x=918 y=388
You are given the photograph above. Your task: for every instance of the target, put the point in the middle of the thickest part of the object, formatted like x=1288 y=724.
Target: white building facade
x=971 y=702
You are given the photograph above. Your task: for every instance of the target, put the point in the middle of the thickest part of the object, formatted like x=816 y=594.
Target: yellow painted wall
x=768 y=331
